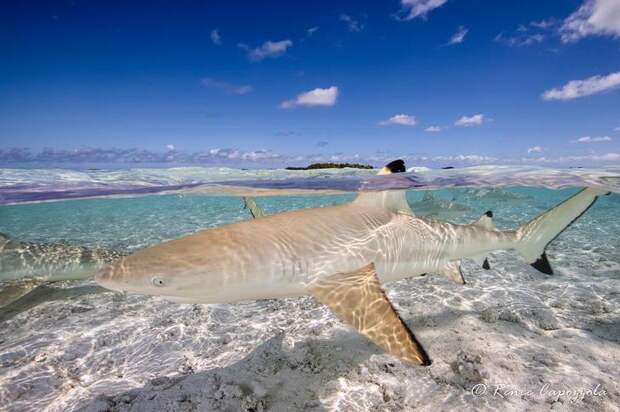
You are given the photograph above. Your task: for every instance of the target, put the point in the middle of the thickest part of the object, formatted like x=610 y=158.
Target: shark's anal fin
x=358 y=299
x=482 y=261
x=452 y=270
x=255 y=210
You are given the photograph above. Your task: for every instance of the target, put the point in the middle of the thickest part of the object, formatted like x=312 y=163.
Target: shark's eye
x=158 y=282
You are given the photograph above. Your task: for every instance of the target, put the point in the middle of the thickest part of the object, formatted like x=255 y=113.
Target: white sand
x=81 y=348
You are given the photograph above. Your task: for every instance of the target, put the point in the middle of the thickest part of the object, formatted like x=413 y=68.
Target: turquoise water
x=133 y=223
x=71 y=345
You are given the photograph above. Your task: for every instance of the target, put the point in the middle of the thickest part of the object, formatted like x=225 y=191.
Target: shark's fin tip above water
x=358 y=299
x=394 y=200
x=395 y=166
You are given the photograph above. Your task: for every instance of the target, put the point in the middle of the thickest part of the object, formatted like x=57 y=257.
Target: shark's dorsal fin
x=395 y=166
x=486 y=221
x=452 y=270
x=358 y=299
x=394 y=200
x=255 y=210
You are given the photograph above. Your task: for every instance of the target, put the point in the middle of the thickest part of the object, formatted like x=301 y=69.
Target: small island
x=331 y=166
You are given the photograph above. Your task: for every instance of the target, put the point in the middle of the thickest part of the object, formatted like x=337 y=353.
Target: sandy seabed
x=510 y=339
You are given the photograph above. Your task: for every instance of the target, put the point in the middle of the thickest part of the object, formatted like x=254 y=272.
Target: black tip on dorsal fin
x=485 y=264
x=396 y=166
x=542 y=265
x=488 y=213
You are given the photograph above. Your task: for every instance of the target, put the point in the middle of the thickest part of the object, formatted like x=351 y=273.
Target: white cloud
x=433 y=129
x=544 y=24
x=469 y=121
x=459 y=36
x=170 y=147
x=215 y=37
x=312 y=30
x=471 y=158
x=594 y=17
x=597 y=139
x=535 y=149
x=617 y=129
x=316 y=97
x=527 y=34
x=520 y=39
x=236 y=154
x=399 y=119
x=580 y=88
x=352 y=24
x=226 y=87
x=268 y=49
x=419 y=8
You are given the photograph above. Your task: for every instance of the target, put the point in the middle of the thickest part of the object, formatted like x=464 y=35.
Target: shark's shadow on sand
x=305 y=376
x=271 y=377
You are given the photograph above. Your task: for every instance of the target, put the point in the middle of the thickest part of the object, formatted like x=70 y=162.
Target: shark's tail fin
x=533 y=237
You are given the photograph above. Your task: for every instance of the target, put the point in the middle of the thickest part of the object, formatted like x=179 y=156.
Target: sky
x=277 y=82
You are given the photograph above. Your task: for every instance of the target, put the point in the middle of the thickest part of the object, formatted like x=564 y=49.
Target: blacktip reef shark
x=339 y=254
x=25 y=265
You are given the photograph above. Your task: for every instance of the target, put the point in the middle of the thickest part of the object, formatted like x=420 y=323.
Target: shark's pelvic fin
x=533 y=237
x=358 y=299
x=394 y=200
x=452 y=270
x=255 y=210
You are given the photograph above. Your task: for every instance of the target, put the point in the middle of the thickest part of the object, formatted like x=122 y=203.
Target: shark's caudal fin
x=394 y=200
x=533 y=237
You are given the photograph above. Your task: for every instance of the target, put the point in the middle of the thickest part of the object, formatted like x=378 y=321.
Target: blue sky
x=274 y=82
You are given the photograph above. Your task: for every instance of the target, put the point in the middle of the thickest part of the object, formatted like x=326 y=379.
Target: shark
x=25 y=265
x=342 y=255
x=51 y=261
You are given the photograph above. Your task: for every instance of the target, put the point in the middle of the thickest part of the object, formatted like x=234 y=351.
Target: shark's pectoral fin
x=255 y=210
x=358 y=299
x=452 y=270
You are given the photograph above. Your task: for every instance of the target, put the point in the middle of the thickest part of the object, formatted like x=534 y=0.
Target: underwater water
x=71 y=345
